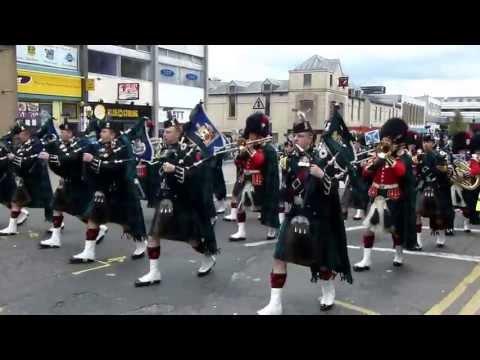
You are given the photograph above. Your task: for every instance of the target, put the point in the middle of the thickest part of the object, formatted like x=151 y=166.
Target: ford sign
x=167 y=72
x=191 y=76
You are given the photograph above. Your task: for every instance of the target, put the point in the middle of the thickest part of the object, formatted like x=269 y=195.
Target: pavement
x=34 y=281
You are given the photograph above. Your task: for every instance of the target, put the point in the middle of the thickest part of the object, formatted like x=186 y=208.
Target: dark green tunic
x=113 y=173
x=7 y=179
x=269 y=193
x=192 y=198
x=75 y=194
x=407 y=230
x=326 y=247
x=33 y=172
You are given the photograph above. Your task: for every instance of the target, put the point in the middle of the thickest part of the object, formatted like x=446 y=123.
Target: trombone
x=242 y=143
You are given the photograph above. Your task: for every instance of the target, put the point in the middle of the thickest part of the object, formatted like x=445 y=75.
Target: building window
x=267 y=87
x=359 y=106
x=307 y=80
x=135 y=69
x=102 y=63
x=146 y=48
x=351 y=117
x=133 y=47
x=231 y=106
x=376 y=111
x=331 y=80
x=69 y=111
x=197 y=60
x=306 y=106
x=267 y=104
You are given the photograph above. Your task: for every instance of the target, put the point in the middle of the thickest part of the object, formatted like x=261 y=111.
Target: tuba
x=460 y=175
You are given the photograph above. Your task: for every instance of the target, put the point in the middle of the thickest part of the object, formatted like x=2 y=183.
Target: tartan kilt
x=7 y=188
x=73 y=198
x=324 y=249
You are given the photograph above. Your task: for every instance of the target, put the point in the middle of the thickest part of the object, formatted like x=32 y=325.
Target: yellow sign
x=91 y=85
x=121 y=113
x=32 y=82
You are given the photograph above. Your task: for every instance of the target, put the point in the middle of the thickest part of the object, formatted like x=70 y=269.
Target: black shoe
x=440 y=246
x=138 y=283
x=80 y=261
x=136 y=257
x=468 y=231
x=237 y=239
x=449 y=232
x=324 y=307
x=43 y=246
x=416 y=248
x=397 y=264
x=271 y=237
x=360 y=268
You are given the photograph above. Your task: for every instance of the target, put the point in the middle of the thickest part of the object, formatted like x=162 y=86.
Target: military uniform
x=258 y=184
x=387 y=193
x=32 y=181
x=74 y=193
x=434 y=200
x=184 y=206
x=112 y=175
x=313 y=233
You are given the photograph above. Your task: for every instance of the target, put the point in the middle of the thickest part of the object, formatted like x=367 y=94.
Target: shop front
x=42 y=95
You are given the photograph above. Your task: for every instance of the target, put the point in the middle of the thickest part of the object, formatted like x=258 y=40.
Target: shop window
x=102 y=63
x=69 y=110
x=135 y=69
x=231 y=106
x=307 y=80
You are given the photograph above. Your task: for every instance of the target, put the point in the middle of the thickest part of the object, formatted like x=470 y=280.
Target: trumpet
x=243 y=143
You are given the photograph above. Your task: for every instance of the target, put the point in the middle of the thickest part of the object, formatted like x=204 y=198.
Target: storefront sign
x=120 y=112
x=128 y=91
x=191 y=76
x=167 y=72
x=38 y=83
x=90 y=84
x=58 y=56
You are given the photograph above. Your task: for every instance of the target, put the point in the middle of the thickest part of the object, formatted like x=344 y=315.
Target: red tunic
x=388 y=176
x=255 y=162
x=474 y=167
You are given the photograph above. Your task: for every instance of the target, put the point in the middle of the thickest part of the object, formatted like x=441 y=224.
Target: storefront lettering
x=122 y=113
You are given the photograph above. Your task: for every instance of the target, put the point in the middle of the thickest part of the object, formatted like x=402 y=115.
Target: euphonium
x=460 y=175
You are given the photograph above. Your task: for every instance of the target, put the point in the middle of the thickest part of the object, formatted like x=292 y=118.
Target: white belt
x=385 y=186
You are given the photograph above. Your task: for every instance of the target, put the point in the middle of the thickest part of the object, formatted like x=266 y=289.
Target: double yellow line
x=471 y=307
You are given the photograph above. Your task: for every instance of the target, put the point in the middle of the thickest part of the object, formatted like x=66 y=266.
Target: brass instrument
x=459 y=174
x=384 y=146
x=242 y=145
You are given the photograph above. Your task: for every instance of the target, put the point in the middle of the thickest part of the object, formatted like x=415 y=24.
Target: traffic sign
x=258 y=104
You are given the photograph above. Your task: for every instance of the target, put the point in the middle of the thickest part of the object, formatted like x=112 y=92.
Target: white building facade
x=121 y=77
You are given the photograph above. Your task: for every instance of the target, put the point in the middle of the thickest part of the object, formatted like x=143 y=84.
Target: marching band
x=302 y=195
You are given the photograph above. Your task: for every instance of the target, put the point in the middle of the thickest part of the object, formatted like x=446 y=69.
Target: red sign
x=128 y=91
x=343 y=81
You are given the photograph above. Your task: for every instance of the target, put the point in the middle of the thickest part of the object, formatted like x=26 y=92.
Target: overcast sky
x=412 y=70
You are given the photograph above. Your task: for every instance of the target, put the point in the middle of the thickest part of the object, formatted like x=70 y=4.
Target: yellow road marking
x=448 y=300
x=119 y=259
x=356 y=308
x=472 y=307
